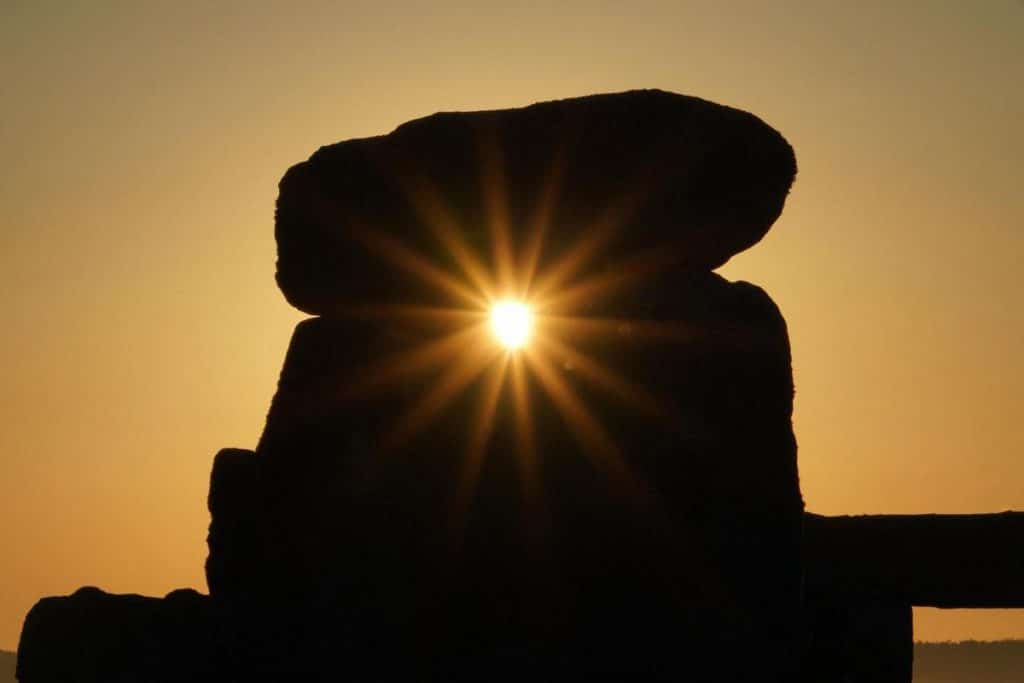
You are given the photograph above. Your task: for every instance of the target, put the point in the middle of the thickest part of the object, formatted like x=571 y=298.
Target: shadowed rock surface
x=677 y=174
x=235 y=535
x=856 y=642
x=950 y=561
x=654 y=562
x=95 y=636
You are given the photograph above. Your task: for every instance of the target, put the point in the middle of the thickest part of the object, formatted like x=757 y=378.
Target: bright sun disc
x=511 y=322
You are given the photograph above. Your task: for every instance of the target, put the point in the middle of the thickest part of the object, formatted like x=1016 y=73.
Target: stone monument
x=615 y=499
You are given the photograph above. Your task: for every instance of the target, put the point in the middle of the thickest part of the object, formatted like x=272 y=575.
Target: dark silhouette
x=591 y=572
x=863 y=574
x=948 y=561
x=621 y=504
x=600 y=575
x=682 y=174
x=94 y=636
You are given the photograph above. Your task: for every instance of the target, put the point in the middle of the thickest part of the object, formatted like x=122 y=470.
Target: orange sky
x=143 y=330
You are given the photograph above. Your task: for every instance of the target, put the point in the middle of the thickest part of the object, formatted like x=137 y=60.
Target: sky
x=142 y=144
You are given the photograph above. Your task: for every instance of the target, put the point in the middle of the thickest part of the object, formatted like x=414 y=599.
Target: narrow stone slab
x=91 y=635
x=640 y=170
x=234 y=539
x=949 y=561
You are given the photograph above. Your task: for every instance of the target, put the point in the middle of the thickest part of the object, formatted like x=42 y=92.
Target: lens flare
x=531 y=348
x=511 y=322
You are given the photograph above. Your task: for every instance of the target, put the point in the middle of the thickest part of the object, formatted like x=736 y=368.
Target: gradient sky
x=142 y=144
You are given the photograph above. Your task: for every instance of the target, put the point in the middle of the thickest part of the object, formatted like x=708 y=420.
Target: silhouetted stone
x=235 y=538
x=674 y=173
x=663 y=576
x=864 y=573
x=925 y=560
x=859 y=643
x=95 y=636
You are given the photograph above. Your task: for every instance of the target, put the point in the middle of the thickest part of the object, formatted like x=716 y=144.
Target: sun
x=512 y=323
x=536 y=304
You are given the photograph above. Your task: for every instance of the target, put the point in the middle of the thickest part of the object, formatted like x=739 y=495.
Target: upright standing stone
x=651 y=545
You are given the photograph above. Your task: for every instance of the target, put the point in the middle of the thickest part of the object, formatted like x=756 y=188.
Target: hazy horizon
x=145 y=331
x=943 y=662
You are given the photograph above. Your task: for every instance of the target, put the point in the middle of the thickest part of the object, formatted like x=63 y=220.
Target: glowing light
x=511 y=322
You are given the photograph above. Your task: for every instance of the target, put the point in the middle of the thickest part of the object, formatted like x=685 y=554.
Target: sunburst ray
x=540 y=222
x=482 y=428
x=411 y=313
x=603 y=377
x=402 y=365
x=408 y=260
x=496 y=209
x=629 y=273
x=534 y=508
x=439 y=218
x=452 y=381
x=597 y=444
x=595 y=238
x=631 y=330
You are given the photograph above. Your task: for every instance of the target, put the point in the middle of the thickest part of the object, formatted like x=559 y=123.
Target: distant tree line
x=969 y=661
